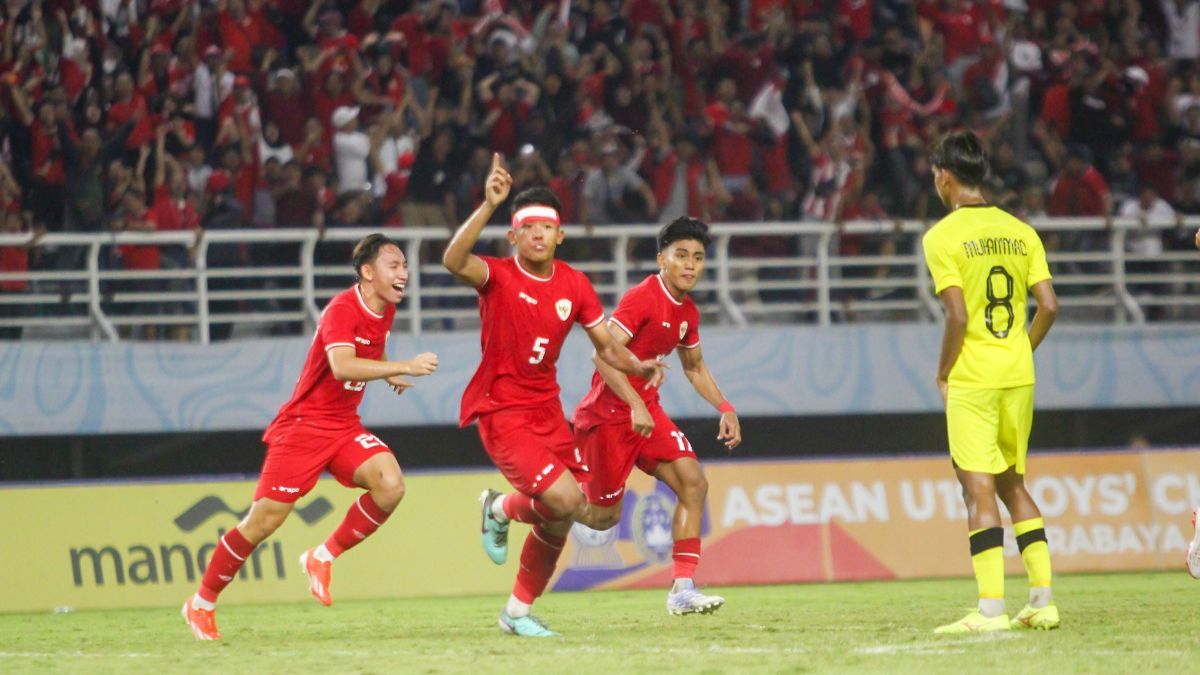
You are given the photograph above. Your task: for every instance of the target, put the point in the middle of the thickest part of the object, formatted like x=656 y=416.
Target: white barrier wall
x=85 y=388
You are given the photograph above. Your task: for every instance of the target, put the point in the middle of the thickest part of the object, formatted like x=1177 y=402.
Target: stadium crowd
x=200 y=114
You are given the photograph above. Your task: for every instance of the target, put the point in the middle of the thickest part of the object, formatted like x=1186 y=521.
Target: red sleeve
x=691 y=336
x=631 y=313
x=337 y=326
x=492 y=273
x=591 y=313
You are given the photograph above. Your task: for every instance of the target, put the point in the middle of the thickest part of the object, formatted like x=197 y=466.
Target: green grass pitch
x=1112 y=623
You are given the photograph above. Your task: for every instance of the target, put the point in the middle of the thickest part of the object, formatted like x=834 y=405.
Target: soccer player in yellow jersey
x=984 y=262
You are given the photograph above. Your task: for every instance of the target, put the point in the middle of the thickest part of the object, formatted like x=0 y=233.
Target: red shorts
x=611 y=450
x=298 y=453
x=531 y=446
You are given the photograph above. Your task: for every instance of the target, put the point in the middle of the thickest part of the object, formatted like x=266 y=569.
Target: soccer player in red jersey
x=319 y=429
x=527 y=304
x=619 y=423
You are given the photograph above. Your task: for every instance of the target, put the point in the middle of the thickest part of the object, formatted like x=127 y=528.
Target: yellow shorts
x=989 y=428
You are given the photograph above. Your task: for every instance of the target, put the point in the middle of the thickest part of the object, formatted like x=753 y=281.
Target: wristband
x=725 y=407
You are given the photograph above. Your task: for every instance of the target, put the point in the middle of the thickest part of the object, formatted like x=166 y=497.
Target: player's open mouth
x=399 y=288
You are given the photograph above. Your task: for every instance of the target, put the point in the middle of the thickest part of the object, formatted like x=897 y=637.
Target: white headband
x=529 y=213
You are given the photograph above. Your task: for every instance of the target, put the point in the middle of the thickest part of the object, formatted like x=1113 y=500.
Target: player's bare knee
x=258 y=526
x=573 y=506
x=695 y=490
x=566 y=504
x=388 y=491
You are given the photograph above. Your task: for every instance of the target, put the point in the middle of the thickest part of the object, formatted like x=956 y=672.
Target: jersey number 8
x=999 y=277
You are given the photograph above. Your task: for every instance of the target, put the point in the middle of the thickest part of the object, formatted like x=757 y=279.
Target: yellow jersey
x=995 y=259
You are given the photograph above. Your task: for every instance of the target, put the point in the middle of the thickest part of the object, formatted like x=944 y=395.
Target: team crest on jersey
x=682 y=330
x=563 y=307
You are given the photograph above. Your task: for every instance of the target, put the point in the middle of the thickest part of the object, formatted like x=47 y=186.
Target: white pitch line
x=59 y=655
x=946 y=646
x=714 y=649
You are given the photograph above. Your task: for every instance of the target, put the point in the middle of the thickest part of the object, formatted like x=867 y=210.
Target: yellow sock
x=987 y=559
x=1031 y=539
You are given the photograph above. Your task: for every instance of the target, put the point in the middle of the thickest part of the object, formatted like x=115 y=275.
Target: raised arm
x=464 y=265
x=160 y=164
x=697 y=372
x=640 y=418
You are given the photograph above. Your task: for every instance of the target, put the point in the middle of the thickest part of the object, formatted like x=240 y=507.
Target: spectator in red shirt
x=134 y=216
x=12 y=258
x=733 y=149
x=173 y=207
x=284 y=105
x=317 y=149
x=48 y=173
x=508 y=105
x=239 y=33
x=1079 y=190
x=128 y=105
x=383 y=86
x=962 y=23
x=332 y=94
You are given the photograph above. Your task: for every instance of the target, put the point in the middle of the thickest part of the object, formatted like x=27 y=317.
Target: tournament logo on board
x=595 y=548
x=652 y=527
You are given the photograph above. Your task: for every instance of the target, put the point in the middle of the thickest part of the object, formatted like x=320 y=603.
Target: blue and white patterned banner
x=83 y=388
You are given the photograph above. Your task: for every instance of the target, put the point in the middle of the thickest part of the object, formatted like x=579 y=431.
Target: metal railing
x=269 y=281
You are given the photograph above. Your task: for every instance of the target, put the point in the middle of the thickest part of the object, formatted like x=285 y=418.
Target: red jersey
x=525 y=321
x=173 y=214
x=319 y=399
x=657 y=323
x=140 y=256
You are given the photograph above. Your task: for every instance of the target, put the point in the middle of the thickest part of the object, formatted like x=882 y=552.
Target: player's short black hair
x=539 y=196
x=367 y=250
x=682 y=228
x=961 y=153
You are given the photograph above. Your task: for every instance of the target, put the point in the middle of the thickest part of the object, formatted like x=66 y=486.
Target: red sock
x=538 y=560
x=525 y=509
x=361 y=521
x=227 y=558
x=687 y=555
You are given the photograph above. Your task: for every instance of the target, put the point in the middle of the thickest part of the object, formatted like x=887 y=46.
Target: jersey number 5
x=539 y=350
x=999 y=295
